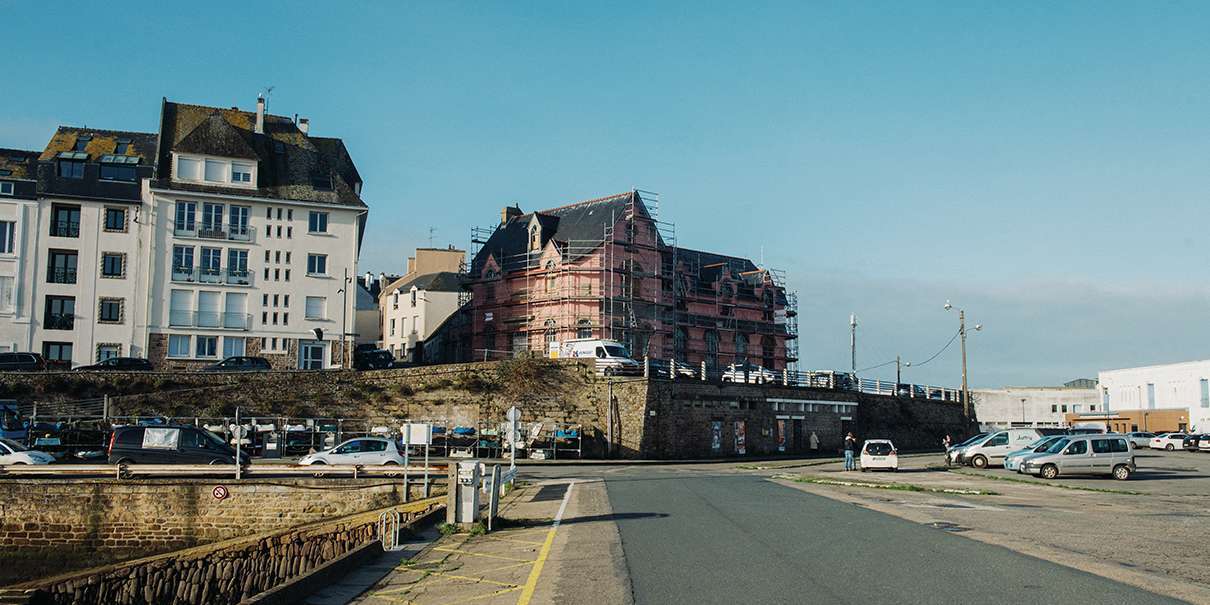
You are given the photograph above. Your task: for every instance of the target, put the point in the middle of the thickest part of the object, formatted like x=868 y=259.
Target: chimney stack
x=369 y=280
x=260 y=114
x=304 y=124
x=382 y=281
x=510 y=212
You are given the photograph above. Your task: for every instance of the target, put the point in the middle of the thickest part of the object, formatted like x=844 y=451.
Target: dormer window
x=241 y=173
x=82 y=142
x=71 y=164
x=119 y=168
x=216 y=171
x=534 y=239
x=122 y=147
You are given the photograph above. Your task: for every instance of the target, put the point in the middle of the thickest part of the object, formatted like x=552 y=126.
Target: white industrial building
x=1173 y=386
x=1041 y=407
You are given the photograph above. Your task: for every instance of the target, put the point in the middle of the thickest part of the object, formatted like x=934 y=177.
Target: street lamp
x=966 y=395
x=1022 y=410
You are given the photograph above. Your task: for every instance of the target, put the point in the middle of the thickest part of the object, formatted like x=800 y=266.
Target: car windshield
x=1043 y=444
x=13 y=445
x=215 y=439
x=616 y=351
x=878 y=449
x=973 y=439
x=1057 y=446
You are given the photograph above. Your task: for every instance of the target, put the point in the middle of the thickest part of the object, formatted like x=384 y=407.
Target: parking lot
x=1150 y=531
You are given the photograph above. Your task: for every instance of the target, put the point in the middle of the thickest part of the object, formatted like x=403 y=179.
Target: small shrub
x=447 y=529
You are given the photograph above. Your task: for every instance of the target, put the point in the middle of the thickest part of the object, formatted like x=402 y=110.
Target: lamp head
x=978 y=327
x=948 y=306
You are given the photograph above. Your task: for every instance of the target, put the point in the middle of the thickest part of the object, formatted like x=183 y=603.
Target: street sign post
x=514 y=418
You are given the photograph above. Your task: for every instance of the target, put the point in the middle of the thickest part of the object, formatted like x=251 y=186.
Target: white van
x=611 y=356
x=991 y=449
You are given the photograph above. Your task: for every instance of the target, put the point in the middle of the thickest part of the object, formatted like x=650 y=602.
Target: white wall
x=413 y=324
x=1175 y=385
x=1042 y=406
x=15 y=320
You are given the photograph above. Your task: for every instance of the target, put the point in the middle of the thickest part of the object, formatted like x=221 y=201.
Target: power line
x=914 y=364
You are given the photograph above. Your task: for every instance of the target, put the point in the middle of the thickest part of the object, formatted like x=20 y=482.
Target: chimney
x=382 y=281
x=369 y=280
x=260 y=114
x=509 y=213
x=304 y=124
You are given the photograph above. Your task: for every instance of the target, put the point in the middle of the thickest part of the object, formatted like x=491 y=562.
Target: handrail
x=435 y=471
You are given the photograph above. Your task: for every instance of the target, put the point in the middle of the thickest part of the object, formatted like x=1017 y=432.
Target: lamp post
x=1022 y=410
x=966 y=394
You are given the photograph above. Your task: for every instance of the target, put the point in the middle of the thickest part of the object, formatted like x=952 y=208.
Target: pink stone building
x=608 y=268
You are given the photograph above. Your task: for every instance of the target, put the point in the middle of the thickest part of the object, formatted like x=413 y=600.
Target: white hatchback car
x=1168 y=441
x=879 y=453
x=364 y=451
x=750 y=373
x=12 y=452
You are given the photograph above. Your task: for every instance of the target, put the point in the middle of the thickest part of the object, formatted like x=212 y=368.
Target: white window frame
x=229 y=349
x=314 y=217
x=8 y=233
x=7 y=188
x=188 y=346
x=225 y=168
x=241 y=173
x=322 y=273
x=323 y=308
x=198 y=342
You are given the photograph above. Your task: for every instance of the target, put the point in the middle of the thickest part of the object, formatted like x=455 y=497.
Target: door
x=1100 y=460
x=208 y=315
x=996 y=448
x=1075 y=459
x=373 y=452
x=236 y=313
x=312 y=356
x=6 y=454
x=347 y=453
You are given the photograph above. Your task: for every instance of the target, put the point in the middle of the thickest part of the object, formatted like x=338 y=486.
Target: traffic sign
x=513 y=414
x=220 y=492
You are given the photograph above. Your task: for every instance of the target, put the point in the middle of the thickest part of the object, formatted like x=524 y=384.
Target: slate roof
x=290 y=165
x=20 y=164
x=364 y=301
x=442 y=281
x=579 y=222
x=102 y=142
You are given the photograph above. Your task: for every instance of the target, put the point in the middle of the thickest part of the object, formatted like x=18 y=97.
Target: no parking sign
x=220 y=492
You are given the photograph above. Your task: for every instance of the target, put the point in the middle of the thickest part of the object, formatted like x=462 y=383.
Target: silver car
x=1107 y=454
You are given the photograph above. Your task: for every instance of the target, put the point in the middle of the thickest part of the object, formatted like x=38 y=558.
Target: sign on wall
x=417 y=434
x=716 y=436
x=781 y=435
x=741 y=437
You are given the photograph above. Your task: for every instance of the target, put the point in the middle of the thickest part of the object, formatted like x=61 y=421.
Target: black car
x=22 y=362
x=72 y=444
x=118 y=364
x=240 y=364
x=1193 y=440
x=170 y=445
x=373 y=359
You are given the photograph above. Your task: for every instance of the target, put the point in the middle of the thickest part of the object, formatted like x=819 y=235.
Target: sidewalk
x=553 y=539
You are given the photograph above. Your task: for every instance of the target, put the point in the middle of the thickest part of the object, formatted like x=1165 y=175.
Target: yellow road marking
x=527 y=592
x=486 y=596
x=478 y=554
x=514 y=540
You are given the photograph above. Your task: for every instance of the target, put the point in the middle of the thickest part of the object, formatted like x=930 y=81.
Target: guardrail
x=130 y=471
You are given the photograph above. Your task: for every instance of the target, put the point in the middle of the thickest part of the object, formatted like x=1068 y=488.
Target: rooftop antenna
x=432 y=230
x=265 y=94
x=853 y=341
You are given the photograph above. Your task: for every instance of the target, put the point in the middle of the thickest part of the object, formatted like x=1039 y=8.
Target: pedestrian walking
x=850 y=446
x=946 y=444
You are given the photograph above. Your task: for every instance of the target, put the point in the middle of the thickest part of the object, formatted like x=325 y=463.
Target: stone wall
x=221 y=573
x=50 y=526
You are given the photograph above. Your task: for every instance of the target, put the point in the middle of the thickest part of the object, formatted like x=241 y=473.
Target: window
x=1205 y=393
x=999 y=439
x=1078 y=447
x=117 y=169
x=317 y=264
x=6 y=293
x=6 y=188
x=237 y=223
x=285 y=319
x=182 y=259
x=185 y=212
x=289 y=232
x=82 y=142
x=1064 y=408
x=57 y=351
x=413 y=297
x=180 y=308
x=316 y=307
x=60 y=313
x=178 y=345
x=241 y=173
x=65 y=221
x=289 y=214
x=549 y=333
x=115 y=219
x=106 y=351
x=216 y=171
x=1150 y=395
x=533 y=238
x=287 y=275
x=237 y=266
x=122 y=146
x=287 y=257
x=71 y=169
x=212 y=219
x=1101 y=446
x=188 y=169
x=318 y=222
x=711 y=350
x=8 y=230
x=741 y=346
x=285 y=300
x=395 y=300
x=1054 y=409
x=584 y=329
x=233 y=346
x=211 y=260
x=207 y=346
x=61 y=267
x=110 y=311
x=392 y=327
x=113 y=264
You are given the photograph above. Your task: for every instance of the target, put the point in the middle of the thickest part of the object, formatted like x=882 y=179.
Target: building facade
x=254 y=232
x=608 y=268
x=413 y=306
x=1184 y=387
x=18 y=241
x=226 y=233
x=1035 y=407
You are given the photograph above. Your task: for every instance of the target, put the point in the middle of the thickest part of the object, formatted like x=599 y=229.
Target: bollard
x=646 y=367
x=703 y=371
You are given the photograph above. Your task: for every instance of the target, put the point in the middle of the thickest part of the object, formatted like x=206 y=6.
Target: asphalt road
x=696 y=537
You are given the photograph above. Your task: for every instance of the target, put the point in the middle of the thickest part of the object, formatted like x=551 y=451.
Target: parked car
x=954 y=454
x=1204 y=446
x=991 y=450
x=70 y=442
x=1107 y=454
x=1168 y=441
x=22 y=362
x=1012 y=461
x=1140 y=438
x=372 y=359
x=680 y=369
x=12 y=452
x=124 y=364
x=363 y=450
x=879 y=453
x=240 y=364
x=170 y=445
x=749 y=373
x=1191 y=441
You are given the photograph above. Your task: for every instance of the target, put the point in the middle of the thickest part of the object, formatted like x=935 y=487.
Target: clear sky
x=1043 y=165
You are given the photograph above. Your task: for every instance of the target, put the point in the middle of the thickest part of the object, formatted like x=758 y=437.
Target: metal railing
x=235 y=233
x=65 y=228
x=59 y=321
x=209 y=319
x=434 y=472
x=202 y=275
x=61 y=275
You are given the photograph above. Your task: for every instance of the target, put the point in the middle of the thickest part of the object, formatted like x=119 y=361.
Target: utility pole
x=344 y=316
x=966 y=394
x=898 y=373
x=1022 y=410
x=853 y=342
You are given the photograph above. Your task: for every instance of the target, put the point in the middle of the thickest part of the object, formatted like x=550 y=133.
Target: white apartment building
x=255 y=228
x=18 y=213
x=1173 y=386
x=414 y=305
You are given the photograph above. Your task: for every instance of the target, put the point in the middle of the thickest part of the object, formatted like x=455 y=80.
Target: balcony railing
x=199 y=275
x=209 y=319
x=234 y=233
x=65 y=228
x=61 y=275
x=60 y=321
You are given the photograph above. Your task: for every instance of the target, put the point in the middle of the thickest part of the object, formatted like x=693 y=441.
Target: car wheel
x=318 y=463
x=1050 y=471
x=979 y=462
x=1121 y=472
x=1169 y=447
x=125 y=461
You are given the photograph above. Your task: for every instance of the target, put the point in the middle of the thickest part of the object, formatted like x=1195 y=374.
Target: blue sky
x=1041 y=164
